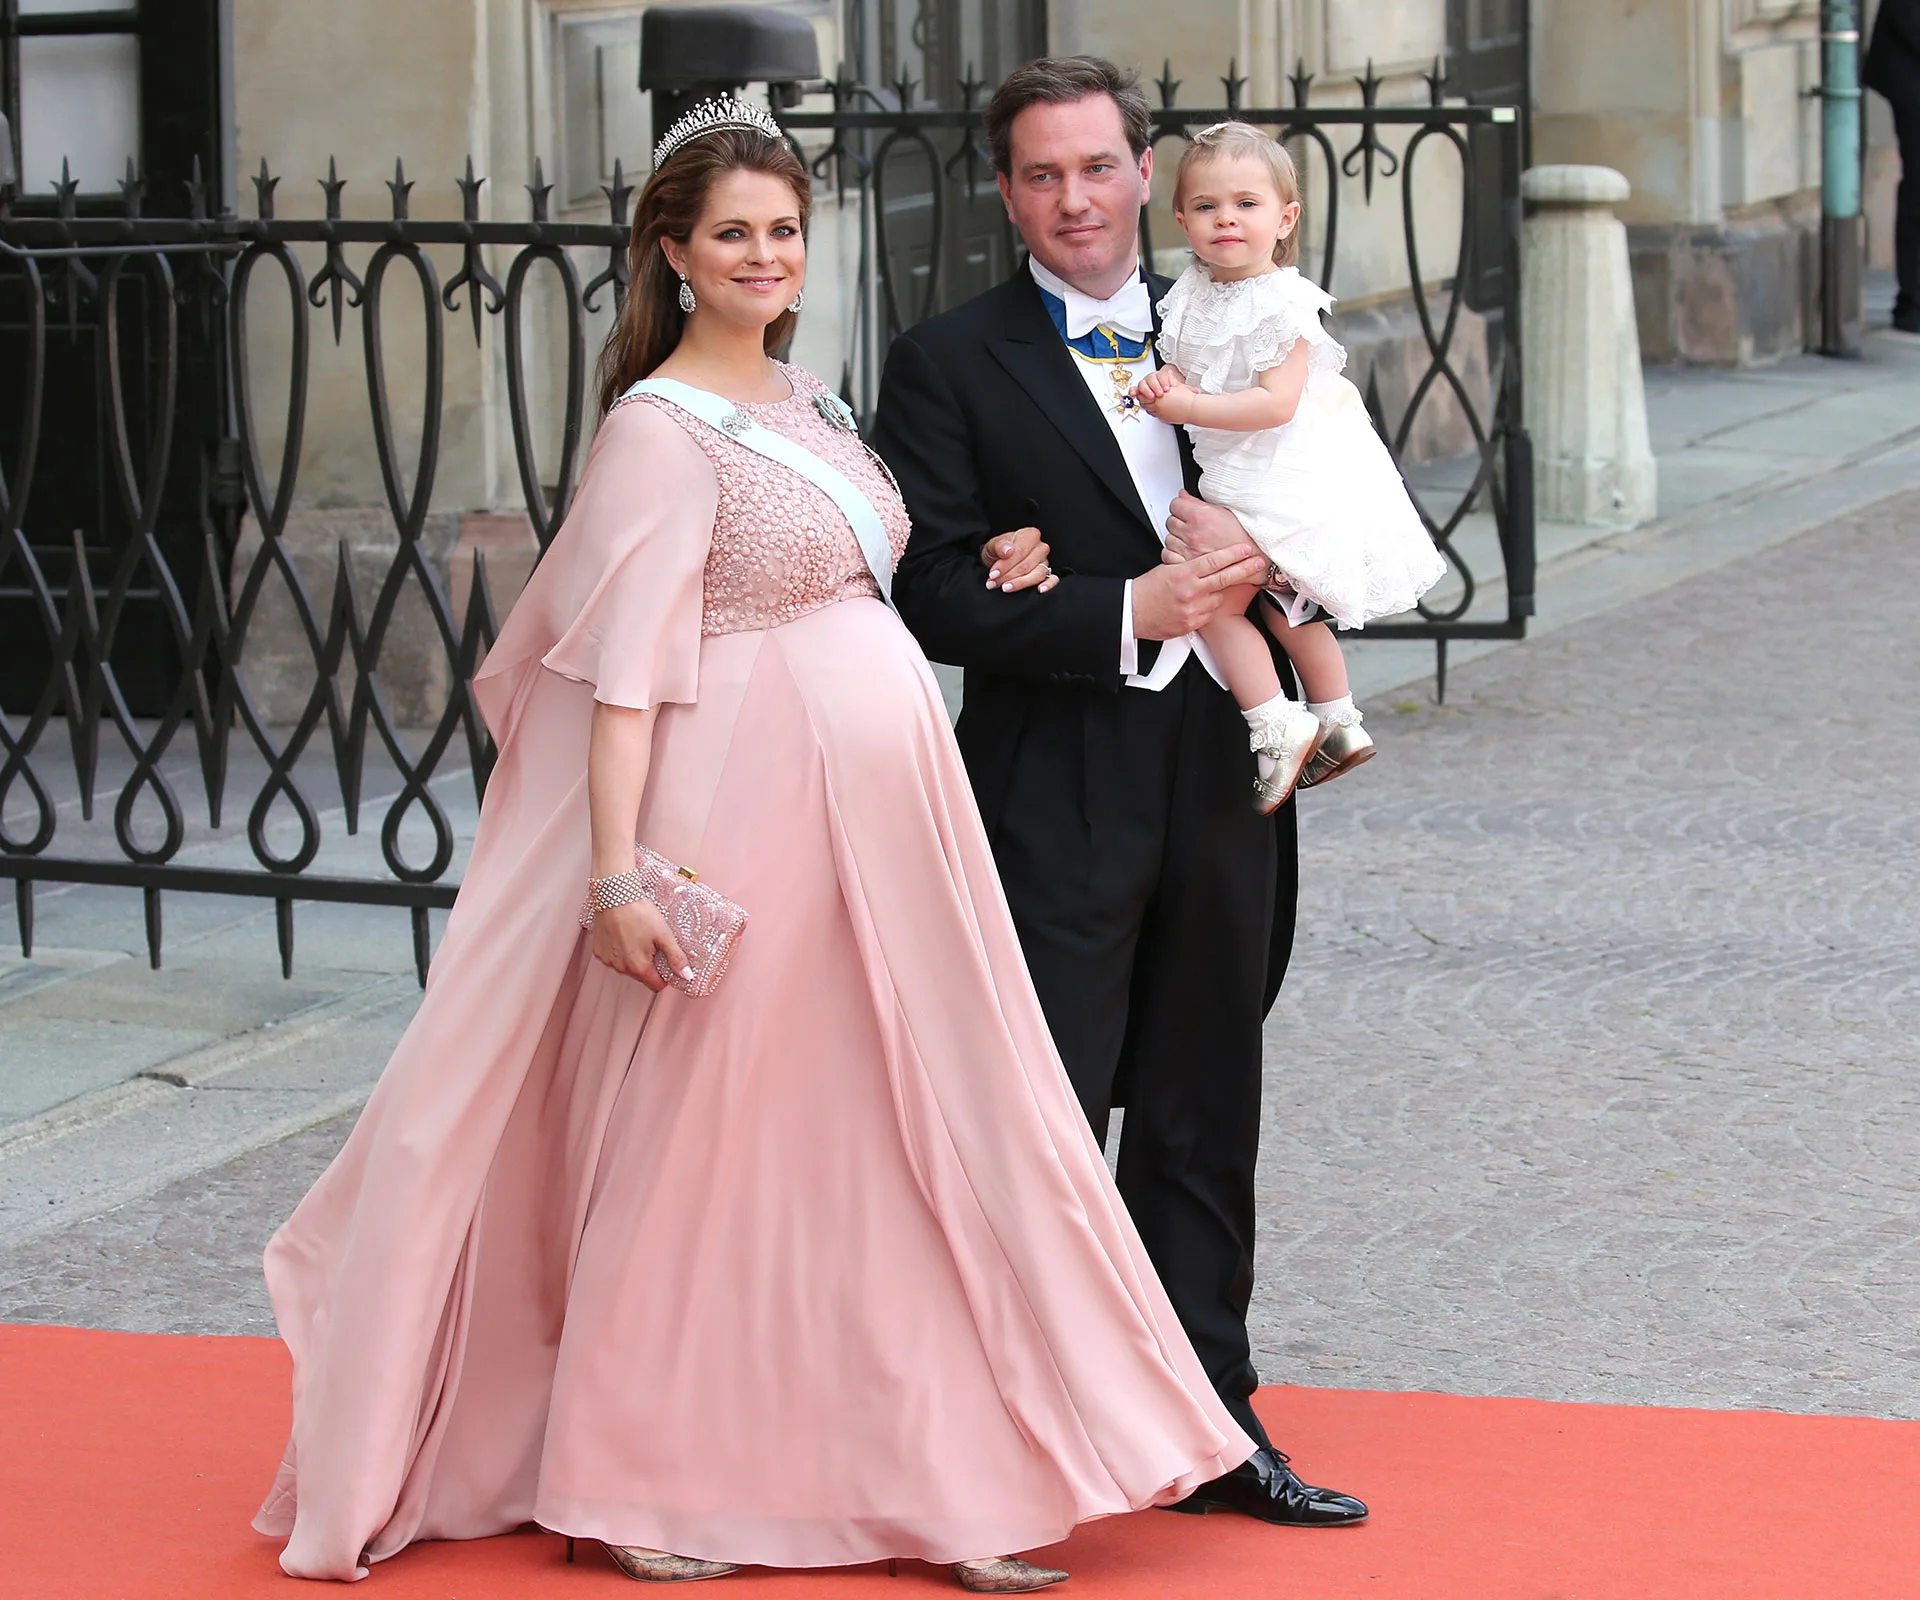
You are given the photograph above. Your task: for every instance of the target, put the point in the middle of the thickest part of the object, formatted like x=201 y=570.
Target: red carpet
x=130 y=1464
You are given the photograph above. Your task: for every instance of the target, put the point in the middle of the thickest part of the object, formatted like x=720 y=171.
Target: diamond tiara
x=714 y=116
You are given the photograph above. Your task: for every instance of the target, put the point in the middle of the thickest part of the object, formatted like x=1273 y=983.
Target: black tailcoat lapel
x=1034 y=355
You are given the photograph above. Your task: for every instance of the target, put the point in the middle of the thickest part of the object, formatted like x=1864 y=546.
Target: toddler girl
x=1285 y=443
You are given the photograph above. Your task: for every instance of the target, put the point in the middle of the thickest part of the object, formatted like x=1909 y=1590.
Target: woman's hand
x=626 y=938
x=1018 y=560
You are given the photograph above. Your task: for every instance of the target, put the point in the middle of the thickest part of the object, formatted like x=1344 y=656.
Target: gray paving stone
x=186 y=1259
x=1596 y=1074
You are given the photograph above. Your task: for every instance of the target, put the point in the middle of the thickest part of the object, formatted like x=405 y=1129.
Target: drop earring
x=799 y=300
x=687 y=302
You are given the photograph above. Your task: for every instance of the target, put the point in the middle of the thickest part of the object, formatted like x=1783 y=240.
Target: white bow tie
x=1129 y=311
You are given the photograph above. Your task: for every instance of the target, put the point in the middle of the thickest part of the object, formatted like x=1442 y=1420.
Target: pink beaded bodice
x=781 y=548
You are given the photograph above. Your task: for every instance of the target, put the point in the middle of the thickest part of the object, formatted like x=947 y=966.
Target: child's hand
x=1157 y=383
x=1166 y=395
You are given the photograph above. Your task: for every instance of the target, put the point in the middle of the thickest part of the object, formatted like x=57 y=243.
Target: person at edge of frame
x=1892 y=69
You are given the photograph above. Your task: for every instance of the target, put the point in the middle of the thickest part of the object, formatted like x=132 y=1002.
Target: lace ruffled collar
x=1252 y=284
x=1266 y=290
x=1239 y=304
x=1204 y=323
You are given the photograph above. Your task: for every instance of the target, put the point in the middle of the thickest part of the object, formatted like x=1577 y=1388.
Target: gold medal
x=1120 y=371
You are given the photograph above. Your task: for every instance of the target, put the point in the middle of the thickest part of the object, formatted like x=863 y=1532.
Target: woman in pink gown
x=824 y=1267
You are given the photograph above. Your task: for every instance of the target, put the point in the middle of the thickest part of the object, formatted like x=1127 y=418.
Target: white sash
x=718 y=412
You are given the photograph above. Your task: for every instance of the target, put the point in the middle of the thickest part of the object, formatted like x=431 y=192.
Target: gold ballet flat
x=1341 y=750
x=1289 y=739
x=1008 y=1575
x=660 y=1567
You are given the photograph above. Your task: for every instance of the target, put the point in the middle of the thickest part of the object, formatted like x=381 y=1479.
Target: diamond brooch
x=836 y=412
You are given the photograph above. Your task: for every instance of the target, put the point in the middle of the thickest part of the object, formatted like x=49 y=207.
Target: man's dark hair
x=1059 y=81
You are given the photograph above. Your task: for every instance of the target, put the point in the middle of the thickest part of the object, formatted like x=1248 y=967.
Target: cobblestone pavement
x=1598 y=1073
x=1598 y=1076
x=184 y=1260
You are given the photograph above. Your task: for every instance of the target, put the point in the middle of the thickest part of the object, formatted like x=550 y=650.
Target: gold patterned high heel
x=660 y=1567
x=1006 y=1575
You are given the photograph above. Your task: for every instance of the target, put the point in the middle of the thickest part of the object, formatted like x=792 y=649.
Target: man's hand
x=1180 y=596
x=1196 y=527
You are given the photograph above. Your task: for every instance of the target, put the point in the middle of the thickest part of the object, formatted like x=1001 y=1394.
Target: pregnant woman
x=822 y=1266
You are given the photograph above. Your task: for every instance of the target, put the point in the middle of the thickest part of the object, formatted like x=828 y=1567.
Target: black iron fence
x=138 y=628
x=934 y=232
x=143 y=523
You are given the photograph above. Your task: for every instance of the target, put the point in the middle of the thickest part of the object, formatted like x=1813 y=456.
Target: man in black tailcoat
x=1113 y=770
x=1893 y=68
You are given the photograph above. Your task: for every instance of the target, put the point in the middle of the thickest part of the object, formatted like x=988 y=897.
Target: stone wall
x=1741 y=292
x=415 y=676
x=1385 y=345
x=362 y=83
x=1703 y=105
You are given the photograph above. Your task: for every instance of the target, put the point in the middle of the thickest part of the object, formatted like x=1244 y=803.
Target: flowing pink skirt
x=822 y=1268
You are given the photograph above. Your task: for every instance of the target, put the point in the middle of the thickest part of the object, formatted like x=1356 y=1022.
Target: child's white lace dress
x=1320 y=495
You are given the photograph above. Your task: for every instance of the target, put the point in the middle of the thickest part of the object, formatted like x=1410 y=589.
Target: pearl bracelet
x=621 y=889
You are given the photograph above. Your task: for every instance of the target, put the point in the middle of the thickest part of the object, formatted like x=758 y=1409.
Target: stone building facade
x=1707 y=106
x=515 y=81
x=1704 y=105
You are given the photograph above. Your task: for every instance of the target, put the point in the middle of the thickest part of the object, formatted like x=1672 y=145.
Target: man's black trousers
x=1906 y=216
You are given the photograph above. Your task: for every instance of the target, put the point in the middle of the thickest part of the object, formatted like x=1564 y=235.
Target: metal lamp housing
x=688 y=53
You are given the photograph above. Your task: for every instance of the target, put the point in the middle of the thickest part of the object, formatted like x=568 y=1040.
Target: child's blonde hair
x=1227 y=140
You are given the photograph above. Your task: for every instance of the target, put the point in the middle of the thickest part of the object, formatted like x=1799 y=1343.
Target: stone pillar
x=1586 y=405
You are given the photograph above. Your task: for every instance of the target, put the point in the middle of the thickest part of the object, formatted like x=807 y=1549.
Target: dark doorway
x=140 y=81
x=1487 y=65
x=939 y=43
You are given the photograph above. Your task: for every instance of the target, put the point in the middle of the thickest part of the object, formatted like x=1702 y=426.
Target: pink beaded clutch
x=705 y=921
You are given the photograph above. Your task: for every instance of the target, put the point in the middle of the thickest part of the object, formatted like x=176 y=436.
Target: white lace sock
x=1341 y=713
x=1259 y=724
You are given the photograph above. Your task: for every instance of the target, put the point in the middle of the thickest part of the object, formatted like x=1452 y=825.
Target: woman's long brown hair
x=651 y=321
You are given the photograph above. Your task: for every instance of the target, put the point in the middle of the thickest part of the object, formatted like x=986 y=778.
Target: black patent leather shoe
x=1264 y=1486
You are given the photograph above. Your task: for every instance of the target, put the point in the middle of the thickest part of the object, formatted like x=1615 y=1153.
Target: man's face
x=1075 y=192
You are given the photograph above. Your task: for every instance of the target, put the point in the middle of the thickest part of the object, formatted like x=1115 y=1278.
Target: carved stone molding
x=1752 y=24
x=1337 y=38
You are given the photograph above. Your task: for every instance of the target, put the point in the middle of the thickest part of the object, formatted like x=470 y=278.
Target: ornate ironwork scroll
x=179 y=313
x=62 y=275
